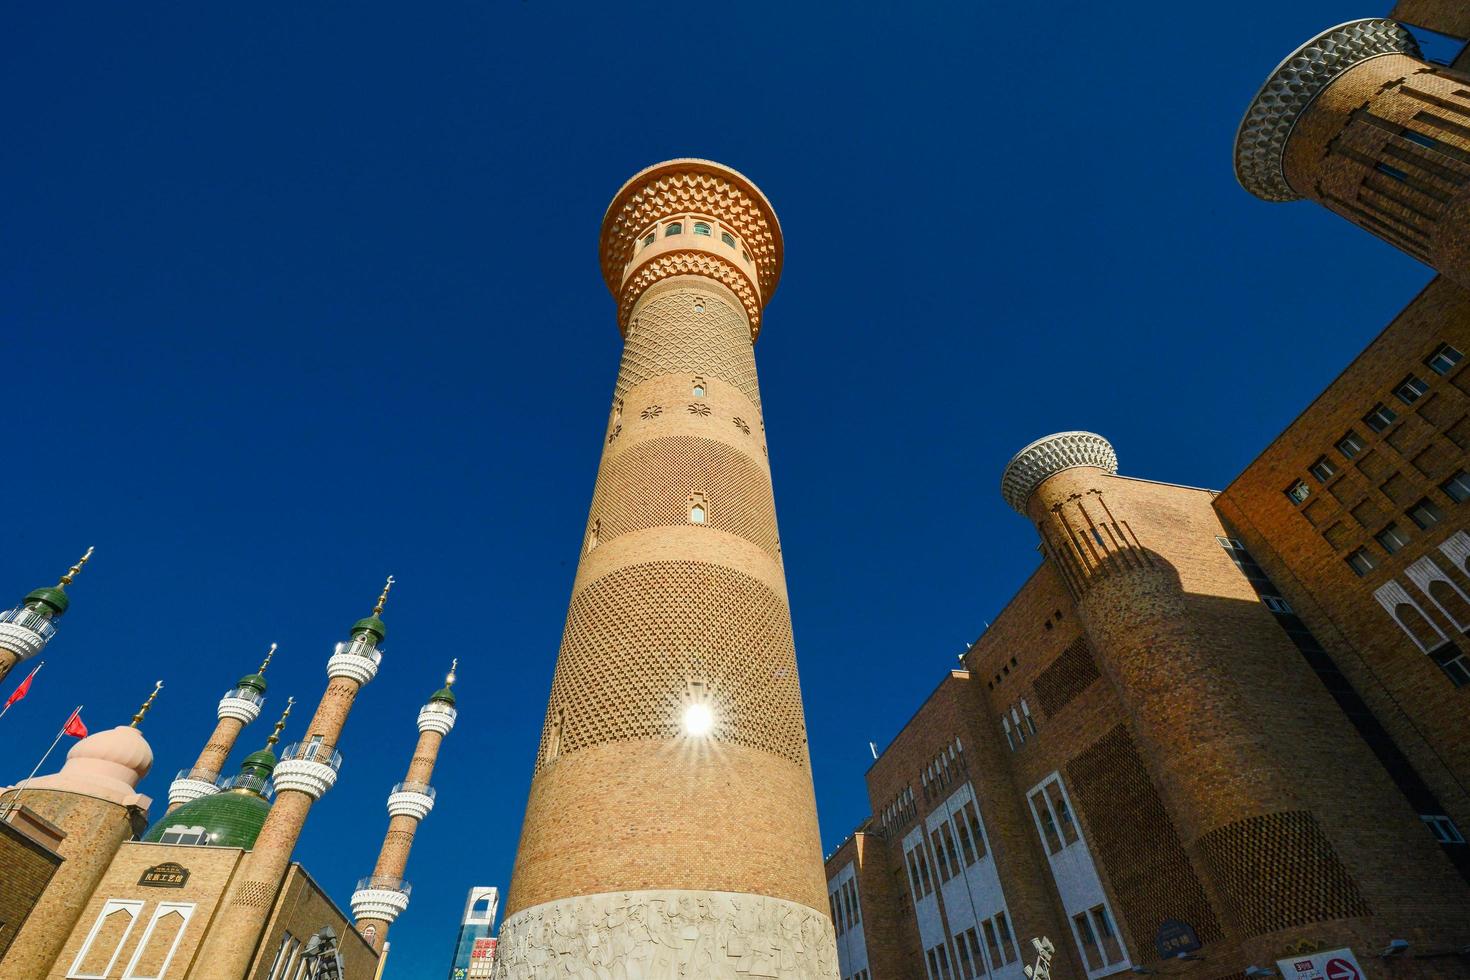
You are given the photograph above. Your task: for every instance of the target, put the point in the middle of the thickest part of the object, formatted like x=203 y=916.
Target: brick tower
x=26 y=629
x=239 y=707
x=306 y=770
x=671 y=823
x=1357 y=121
x=383 y=896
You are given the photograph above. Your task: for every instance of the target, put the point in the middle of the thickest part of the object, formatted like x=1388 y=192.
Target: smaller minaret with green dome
x=233 y=817
x=26 y=629
x=239 y=707
x=383 y=896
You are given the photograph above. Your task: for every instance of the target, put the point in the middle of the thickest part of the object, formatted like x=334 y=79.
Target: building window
x=674 y=228
x=696 y=513
x=179 y=834
x=1379 y=417
x=727 y=238
x=1063 y=812
x=593 y=534
x=1026 y=713
x=1443 y=828
x=1276 y=604
x=1361 y=562
x=992 y=944
x=1411 y=389
x=702 y=228
x=160 y=941
x=968 y=943
x=1323 y=469
x=1443 y=358
x=946 y=871
x=649 y=238
x=285 y=958
x=1047 y=822
x=1456 y=665
x=1426 y=514
x=1350 y=444
x=1007 y=941
x=1005 y=726
x=1112 y=949
x=698 y=389
x=1298 y=491
x=1391 y=538
x=1087 y=941
x=1457 y=487
x=104 y=942
x=1230 y=543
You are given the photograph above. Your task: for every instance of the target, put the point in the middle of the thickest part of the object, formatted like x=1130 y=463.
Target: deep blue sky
x=295 y=298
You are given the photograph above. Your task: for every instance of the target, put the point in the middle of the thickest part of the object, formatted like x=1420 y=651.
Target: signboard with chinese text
x=1332 y=964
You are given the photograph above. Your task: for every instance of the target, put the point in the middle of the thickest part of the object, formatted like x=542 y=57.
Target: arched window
x=593 y=534
x=702 y=228
x=1451 y=603
x=727 y=238
x=696 y=513
x=698 y=388
x=648 y=239
x=674 y=228
x=553 y=740
x=1424 y=633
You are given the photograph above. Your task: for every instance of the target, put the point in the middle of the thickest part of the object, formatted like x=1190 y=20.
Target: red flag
x=74 y=726
x=23 y=689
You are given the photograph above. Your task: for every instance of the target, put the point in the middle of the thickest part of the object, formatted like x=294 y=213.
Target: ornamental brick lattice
x=671 y=828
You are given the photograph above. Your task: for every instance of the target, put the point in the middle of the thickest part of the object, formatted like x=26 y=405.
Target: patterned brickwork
x=662 y=624
x=1067 y=676
x=1279 y=870
x=650 y=485
x=1147 y=866
x=26 y=869
x=689 y=330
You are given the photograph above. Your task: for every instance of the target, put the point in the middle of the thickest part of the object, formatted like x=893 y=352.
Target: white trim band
x=305 y=776
x=378 y=903
x=699 y=934
x=241 y=709
x=189 y=790
x=436 y=717
x=359 y=668
x=1048 y=456
x=24 y=643
x=416 y=805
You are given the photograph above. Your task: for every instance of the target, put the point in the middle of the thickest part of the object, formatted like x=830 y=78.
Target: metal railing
x=201 y=775
x=254 y=782
x=246 y=694
x=360 y=648
x=31 y=620
x=312 y=752
x=423 y=789
x=384 y=883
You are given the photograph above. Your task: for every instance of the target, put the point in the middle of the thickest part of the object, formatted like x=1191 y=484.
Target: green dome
x=232 y=818
x=443 y=694
x=373 y=625
x=52 y=597
x=255 y=682
x=264 y=760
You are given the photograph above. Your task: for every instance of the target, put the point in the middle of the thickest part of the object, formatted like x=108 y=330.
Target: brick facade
x=29 y=867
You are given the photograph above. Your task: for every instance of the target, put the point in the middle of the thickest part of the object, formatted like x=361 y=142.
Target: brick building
x=1228 y=725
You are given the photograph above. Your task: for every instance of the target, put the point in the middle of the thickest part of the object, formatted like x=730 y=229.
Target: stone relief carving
x=667 y=935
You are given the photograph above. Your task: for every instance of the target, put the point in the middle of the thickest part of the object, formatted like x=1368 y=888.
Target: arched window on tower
x=593 y=534
x=674 y=228
x=698 y=388
x=553 y=738
x=702 y=228
x=697 y=508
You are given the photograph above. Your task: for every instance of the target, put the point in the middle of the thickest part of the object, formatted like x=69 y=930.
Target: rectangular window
x=1112 y=949
x=285 y=956
x=990 y=943
x=1005 y=726
x=1426 y=514
x=939 y=857
x=1298 y=491
x=160 y=941
x=1277 y=604
x=1457 y=487
x=1443 y=358
x=933 y=966
x=924 y=871
x=1062 y=811
x=1391 y=538
x=1322 y=469
x=105 y=941
x=1379 y=417
x=949 y=849
x=1007 y=942
x=1230 y=544
x=962 y=955
x=1411 y=389
x=1087 y=941
x=1048 y=824
x=1443 y=828
x=971 y=811
x=944 y=963
x=1026 y=713
x=973 y=938
x=1456 y=665
x=918 y=889
x=1350 y=444
x=963 y=833
x=1361 y=562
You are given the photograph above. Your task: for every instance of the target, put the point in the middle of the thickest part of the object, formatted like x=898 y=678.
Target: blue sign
x=1175 y=937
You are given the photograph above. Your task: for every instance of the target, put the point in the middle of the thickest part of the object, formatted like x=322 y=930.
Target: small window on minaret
x=649 y=238
x=617 y=411
x=553 y=744
x=593 y=534
x=698 y=387
x=702 y=228
x=697 y=506
x=674 y=228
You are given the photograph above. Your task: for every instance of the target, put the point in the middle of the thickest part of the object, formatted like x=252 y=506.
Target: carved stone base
x=668 y=935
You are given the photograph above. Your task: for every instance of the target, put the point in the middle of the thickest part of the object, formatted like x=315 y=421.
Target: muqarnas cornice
x=1260 y=142
x=1047 y=456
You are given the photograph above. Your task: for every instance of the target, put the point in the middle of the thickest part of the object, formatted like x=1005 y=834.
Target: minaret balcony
x=307 y=767
x=356 y=659
x=253 y=782
x=24 y=632
x=242 y=703
x=192 y=784
x=411 y=800
x=436 y=716
x=380 y=897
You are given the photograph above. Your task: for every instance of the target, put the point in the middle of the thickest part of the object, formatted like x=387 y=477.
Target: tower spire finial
x=266 y=662
x=449 y=678
x=383 y=599
x=138 y=718
x=275 y=735
x=75 y=570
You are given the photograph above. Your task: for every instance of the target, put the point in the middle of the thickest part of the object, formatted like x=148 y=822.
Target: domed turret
x=239 y=706
x=26 y=629
x=108 y=766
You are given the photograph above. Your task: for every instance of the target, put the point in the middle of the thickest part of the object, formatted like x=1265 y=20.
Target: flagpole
x=15 y=801
x=12 y=699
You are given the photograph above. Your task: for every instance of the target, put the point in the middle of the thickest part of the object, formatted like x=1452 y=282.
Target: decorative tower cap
x=1047 y=456
x=444 y=693
x=138 y=718
x=1260 y=142
x=256 y=681
x=106 y=766
x=373 y=624
x=264 y=761
x=54 y=598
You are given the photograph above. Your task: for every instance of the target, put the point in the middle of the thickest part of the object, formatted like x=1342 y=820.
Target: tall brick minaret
x=671 y=821
x=1358 y=121
x=239 y=707
x=383 y=896
x=26 y=629
x=306 y=770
